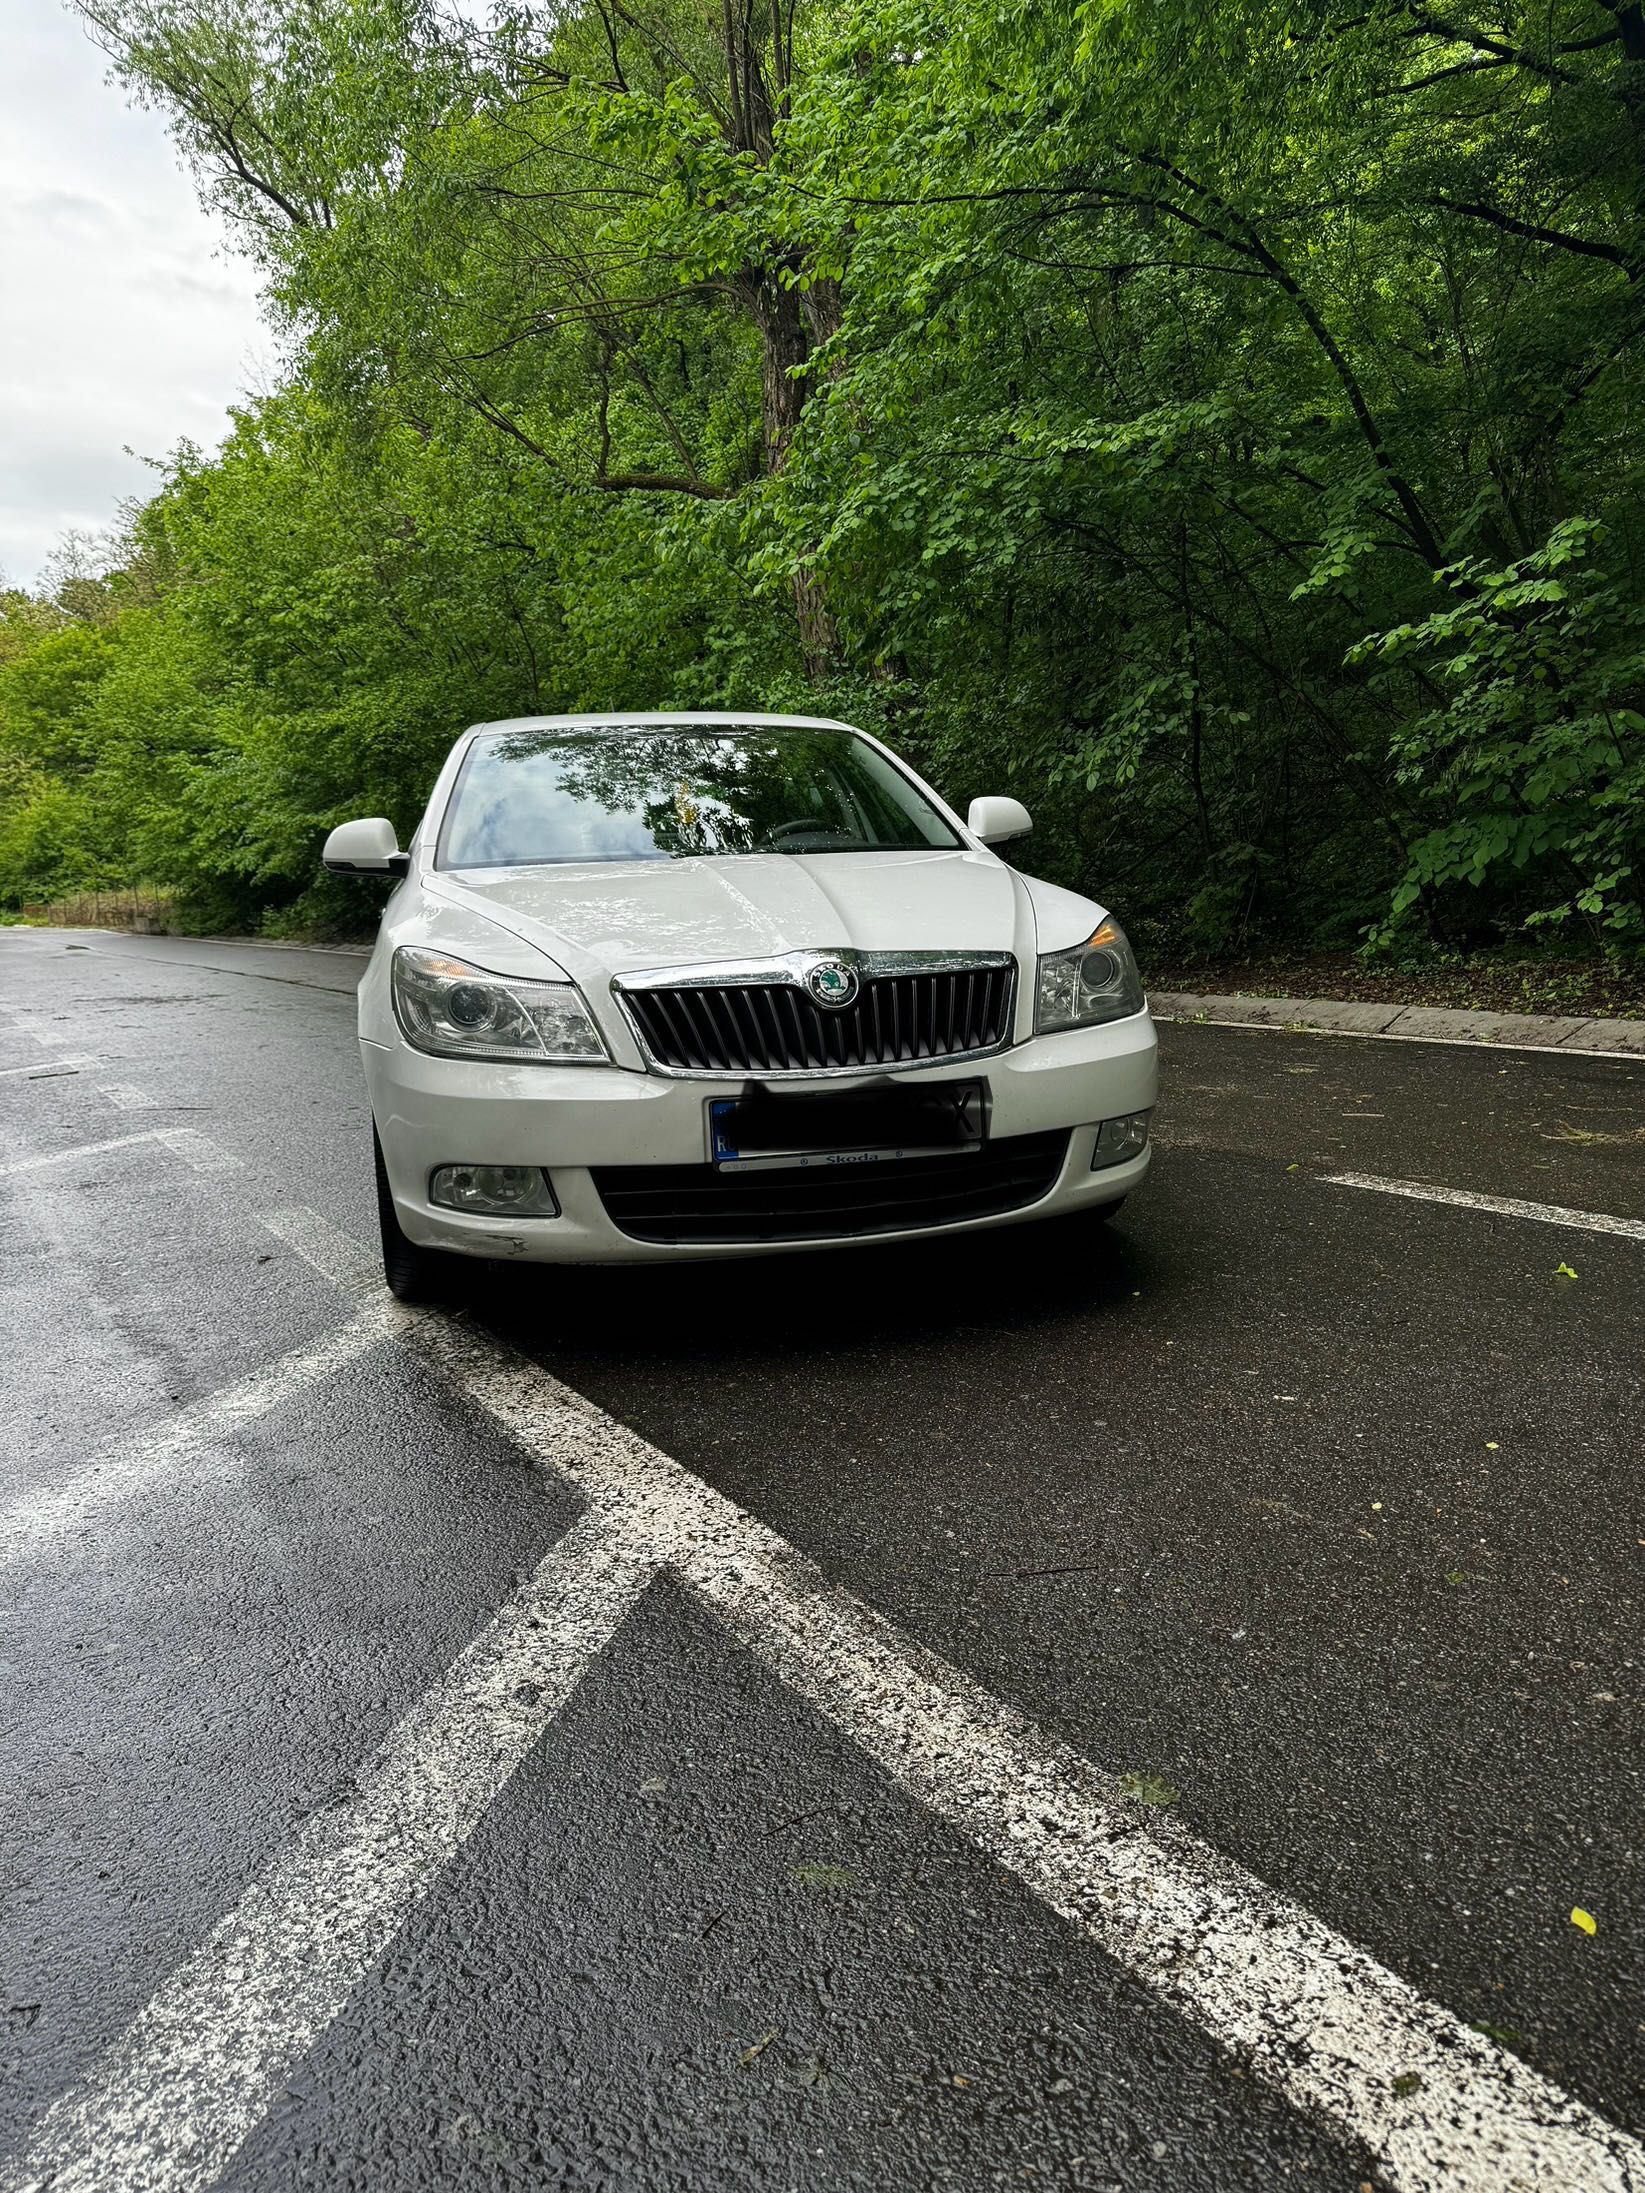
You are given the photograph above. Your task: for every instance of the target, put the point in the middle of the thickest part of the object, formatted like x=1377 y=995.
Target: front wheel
x=411 y=1272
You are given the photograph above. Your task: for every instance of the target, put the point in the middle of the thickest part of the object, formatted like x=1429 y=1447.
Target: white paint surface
x=334 y=1255
x=199 y=2067
x=42 y=1158
x=1312 y=2014
x=46 y=1069
x=192 y=1444
x=197 y=1150
x=125 y=1098
x=1503 y=1206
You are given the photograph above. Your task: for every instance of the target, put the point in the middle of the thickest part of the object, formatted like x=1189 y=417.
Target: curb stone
x=1411 y=1023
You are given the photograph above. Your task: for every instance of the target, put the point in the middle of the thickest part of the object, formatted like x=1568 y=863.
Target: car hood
x=618 y=916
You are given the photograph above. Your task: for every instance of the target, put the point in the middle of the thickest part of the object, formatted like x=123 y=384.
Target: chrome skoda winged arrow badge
x=832 y=983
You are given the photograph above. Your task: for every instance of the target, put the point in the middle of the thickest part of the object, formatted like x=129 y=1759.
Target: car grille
x=776 y=1027
x=697 y=1203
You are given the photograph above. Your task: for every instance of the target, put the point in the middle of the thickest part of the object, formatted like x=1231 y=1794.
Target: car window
x=670 y=793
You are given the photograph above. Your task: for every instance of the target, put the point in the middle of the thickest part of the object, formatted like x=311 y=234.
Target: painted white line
x=193 y=1148
x=197 y=1150
x=202 y=2063
x=1312 y=2013
x=190 y=1443
x=63 y=1157
x=125 y=1098
x=333 y=1254
x=46 y=1068
x=1316 y=2017
x=1503 y=1206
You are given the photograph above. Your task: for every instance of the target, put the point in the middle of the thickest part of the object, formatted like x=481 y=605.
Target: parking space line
x=1338 y=2035
x=201 y=2064
x=1315 y=2016
x=1503 y=1206
x=194 y=1148
x=1335 y=2032
x=44 y=1069
x=63 y=1157
x=333 y=1254
x=198 y=1150
x=192 y=1439
x=125 y=1098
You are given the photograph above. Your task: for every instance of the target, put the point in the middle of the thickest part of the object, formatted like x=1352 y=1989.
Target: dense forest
x=1221 y=427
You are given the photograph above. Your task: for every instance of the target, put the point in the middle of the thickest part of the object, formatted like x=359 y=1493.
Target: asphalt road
x=1312 y=1509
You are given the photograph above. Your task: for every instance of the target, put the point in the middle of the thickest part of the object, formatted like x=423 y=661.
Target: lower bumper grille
x=695 y=1203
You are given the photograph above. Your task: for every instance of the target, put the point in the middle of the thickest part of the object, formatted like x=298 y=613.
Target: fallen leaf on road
x=753 y=2055
x=1564 y=1271
x=813 y=1876
x=1148 y=1789
x=1584 y=1919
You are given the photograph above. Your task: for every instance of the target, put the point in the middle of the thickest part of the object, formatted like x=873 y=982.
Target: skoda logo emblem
x=832 y=983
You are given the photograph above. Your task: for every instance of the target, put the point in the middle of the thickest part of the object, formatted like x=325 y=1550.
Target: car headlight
x=457 y=1011
x=1096 y=981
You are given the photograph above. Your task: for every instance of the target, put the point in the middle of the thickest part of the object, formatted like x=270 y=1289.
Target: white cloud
x=125 y=324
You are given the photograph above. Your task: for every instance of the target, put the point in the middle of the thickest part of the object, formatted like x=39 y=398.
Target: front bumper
x=572 y=1119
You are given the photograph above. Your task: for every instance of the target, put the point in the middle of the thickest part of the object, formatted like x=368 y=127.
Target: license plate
x=867 y=1127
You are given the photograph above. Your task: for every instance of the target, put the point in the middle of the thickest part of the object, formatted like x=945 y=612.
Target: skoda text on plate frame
x=696 y=985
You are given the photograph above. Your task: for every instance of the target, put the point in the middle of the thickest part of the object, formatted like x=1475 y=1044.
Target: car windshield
x=679 y=792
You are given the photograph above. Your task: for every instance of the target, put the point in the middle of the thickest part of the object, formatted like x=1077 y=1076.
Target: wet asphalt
x=1319 y=1507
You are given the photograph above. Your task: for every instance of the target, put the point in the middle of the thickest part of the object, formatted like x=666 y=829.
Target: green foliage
x=1535 y=755
x=1174 y=416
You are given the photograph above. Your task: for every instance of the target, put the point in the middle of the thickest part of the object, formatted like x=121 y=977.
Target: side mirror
x=997 y=820
x=365 y=848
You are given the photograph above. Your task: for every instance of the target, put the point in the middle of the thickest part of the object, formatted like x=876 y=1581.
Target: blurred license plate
x=863 y=1127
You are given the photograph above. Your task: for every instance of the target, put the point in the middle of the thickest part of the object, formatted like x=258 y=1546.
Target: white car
x=701 y=985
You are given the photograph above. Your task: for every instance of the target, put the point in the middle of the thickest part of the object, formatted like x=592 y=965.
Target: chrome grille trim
x=732 y=1018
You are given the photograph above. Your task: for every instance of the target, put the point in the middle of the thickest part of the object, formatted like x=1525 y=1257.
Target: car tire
x=410 y=1272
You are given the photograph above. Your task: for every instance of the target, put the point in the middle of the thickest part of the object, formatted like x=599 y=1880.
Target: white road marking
x=333 y=1254
x=1315 y=2016
x=193 y=1148
x=190 y=1443
x=1504 y=1206
x=200 y=2066
x=64 y=1157
x=45 y=1068
x=125 y=1098
x=198 y=1150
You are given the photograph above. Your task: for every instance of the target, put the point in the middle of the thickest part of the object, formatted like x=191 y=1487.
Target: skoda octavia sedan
x=686 y=986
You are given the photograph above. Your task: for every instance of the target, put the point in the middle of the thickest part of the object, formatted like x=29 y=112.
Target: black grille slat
x=776 y=1027
x=700 y=1203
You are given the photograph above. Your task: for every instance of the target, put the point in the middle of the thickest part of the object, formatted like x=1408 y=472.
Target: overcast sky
x=124 y=322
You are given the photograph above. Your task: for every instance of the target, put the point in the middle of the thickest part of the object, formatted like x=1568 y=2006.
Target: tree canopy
x=1219 y=426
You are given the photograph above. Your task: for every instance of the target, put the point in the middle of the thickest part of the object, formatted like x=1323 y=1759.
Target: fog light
x=501 y=1191
x=1119 y=1139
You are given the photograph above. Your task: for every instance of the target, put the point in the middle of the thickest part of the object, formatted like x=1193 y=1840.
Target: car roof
x=628 y=719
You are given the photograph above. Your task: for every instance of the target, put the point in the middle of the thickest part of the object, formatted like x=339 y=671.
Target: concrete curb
x=1411 y=1023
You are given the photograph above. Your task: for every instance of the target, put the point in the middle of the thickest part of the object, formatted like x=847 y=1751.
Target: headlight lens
x=1096 y=981
x=457 y=1011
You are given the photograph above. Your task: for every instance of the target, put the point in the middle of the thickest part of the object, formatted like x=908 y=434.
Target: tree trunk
x=785 y=349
